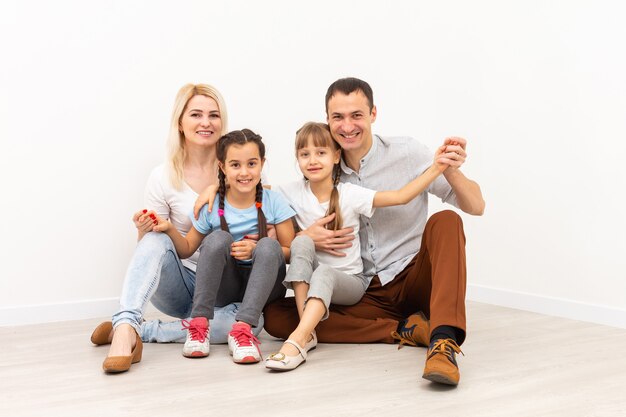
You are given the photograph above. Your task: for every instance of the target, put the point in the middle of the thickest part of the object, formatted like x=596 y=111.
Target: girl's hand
x=437 y=162
x=160 y=224
x=271 y=233
x=243 y=249
x=205 y=197
x=143 y=222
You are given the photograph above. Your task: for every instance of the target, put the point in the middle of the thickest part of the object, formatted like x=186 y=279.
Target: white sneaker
x=243 y=345
x=197 y=343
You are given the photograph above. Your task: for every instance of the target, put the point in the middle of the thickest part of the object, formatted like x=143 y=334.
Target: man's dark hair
x=350 y=85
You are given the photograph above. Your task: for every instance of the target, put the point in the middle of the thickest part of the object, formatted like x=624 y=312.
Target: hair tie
x=220 y=212
x=259 y=204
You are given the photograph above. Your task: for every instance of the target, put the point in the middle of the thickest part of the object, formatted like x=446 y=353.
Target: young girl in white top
x=318 y=278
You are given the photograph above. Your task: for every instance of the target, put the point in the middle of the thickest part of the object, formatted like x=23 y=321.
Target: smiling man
x=416 y=264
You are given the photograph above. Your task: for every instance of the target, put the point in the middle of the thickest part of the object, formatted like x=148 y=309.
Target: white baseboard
x=47 y=313
x=551 y=306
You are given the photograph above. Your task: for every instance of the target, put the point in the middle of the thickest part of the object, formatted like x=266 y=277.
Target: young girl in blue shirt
x=232 y=267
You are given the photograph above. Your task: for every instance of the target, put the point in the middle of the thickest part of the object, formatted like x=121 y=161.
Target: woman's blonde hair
x=176 y=151
x=319 y=135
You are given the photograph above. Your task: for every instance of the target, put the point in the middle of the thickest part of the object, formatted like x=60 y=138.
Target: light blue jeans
x=156 y=274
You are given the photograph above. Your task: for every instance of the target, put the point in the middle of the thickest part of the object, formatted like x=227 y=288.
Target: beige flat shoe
x=311 y=344
x=281 y=362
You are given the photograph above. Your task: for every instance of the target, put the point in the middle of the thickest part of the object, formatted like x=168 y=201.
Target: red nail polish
x=144 y=211
x=155 y=222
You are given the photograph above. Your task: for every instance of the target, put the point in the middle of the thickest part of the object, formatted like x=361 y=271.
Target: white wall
x=537 y=88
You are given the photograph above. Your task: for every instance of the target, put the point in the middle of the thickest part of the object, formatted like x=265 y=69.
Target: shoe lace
x=446 y=347
x=405 y=338
x=244 y=336
x=196 y=330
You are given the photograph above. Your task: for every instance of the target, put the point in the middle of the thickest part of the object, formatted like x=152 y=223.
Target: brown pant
x=433 y=282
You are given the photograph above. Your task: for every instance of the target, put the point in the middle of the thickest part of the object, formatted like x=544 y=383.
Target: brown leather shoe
x=441 y=363
x=414 y=331
x=102 y=334
x=117 y=364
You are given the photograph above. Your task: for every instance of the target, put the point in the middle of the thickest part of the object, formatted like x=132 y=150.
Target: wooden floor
x=516 y=364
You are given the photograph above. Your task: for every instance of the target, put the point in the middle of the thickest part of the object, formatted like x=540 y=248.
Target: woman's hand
x=205 y=197
x=143 y=221
x=243 y=249
x=148 y=221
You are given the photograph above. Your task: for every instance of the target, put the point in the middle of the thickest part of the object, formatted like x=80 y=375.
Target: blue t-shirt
x=242 y=222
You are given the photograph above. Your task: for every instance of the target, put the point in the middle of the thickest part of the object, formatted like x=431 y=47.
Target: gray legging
x=221 y=280
x=326 y=283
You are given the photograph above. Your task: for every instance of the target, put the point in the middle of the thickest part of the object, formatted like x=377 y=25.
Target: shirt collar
x=364 y=160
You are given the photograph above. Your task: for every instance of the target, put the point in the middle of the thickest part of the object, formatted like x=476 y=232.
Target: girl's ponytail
x=333 y=204
x=222 y=192
x=260 y=215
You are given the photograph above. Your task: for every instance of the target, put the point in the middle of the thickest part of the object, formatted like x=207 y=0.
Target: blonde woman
x=156 y=273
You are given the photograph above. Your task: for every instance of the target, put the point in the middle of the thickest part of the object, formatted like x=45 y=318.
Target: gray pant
x=326 y=283
x=221 y=280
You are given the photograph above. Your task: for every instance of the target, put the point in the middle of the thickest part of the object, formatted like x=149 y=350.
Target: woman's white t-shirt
x=170 y=203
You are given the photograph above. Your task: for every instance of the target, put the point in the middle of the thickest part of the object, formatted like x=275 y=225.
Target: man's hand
x=453 y=152
x=468 y=194
x=330 y=241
